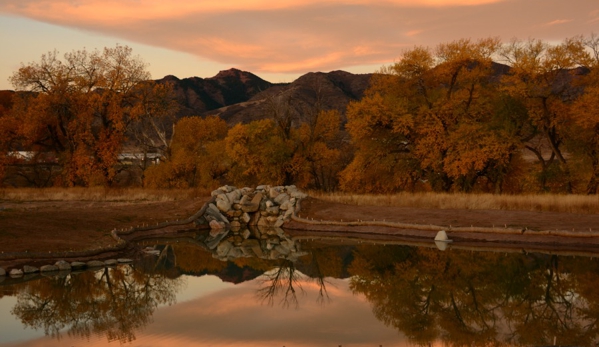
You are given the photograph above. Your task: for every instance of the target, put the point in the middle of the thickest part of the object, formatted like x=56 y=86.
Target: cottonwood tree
x=80 y=108
x=541 y=76
x=196 y=157
x=431 y=117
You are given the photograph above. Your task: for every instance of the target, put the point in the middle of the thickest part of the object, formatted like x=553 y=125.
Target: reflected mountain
x=455 y=297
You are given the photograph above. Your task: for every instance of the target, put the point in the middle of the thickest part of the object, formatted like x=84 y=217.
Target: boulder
x=30 y=269
x=214 y=224
x=222 y=203
x=63 y=265
x=16 y=273
x=111 y=262
x=49 y=268
x=125 y=260
x=245 y=218
x=223 y=248
x=234 y=196
x=281 y=198
x=273 y=192
x=95 y=263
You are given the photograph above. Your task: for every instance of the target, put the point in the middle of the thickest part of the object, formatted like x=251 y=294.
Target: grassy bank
x=587 y=204
x=99 y=194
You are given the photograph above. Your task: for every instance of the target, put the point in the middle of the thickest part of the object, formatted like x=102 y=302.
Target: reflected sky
x=215 y=313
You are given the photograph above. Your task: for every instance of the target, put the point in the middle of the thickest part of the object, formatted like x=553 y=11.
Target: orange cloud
x=559 y=21
x=305 y=35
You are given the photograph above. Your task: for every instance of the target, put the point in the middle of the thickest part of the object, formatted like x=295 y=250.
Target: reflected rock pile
x=263 y=206
x=268 y=243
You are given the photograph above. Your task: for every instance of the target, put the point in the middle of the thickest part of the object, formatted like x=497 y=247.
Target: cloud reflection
x=234 y=317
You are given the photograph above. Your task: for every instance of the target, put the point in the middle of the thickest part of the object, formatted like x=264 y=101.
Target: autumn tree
x=196 y=157
x=583 y=139
x=541 y=76
x=432 y=118
x=80 y=108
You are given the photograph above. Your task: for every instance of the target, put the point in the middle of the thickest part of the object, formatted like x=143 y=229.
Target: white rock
x=442 y=236
x=16 y=273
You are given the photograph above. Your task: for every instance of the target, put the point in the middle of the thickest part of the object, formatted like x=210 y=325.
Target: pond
x=272 y=289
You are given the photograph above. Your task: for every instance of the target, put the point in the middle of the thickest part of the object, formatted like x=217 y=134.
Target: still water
x=271 y=289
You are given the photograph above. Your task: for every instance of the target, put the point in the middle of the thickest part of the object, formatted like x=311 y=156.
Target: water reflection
x=455 y=297
x=113 y=301
x=462 y=297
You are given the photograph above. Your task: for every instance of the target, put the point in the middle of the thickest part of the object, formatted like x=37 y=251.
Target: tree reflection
x=488 y=298
x=112 y=301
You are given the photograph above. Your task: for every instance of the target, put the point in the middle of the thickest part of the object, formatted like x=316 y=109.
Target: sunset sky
x=277 y=40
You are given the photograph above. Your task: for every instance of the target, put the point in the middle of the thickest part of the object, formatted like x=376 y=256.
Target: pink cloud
x=307 y=35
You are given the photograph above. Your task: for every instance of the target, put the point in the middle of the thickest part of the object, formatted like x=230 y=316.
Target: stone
x=95 y=263
x=288 y=214
x=269 y=204
x=112 y=262
x=254 y=204
x=2 y=272
x=279 y=222
x=442 y=236
x=262 y=187
x=77 y=265
x=282 y=198
x=214 y=224
x=16 y=273
x=48 y=268
x=273 y=192
x=223 y=248
x=222 y=203
x=234 y=196
x=245 y=218
x=272 y=219
x=30 y=269
x=125 y=260
x=235 y=224
x=282 y=250
x=63 y=265
x=237 y=206
x=246 y=234
x=273 y=210
x=254 y=219
x=246 y=190
x=246 y=199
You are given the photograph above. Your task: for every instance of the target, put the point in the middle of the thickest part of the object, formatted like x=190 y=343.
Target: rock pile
x=263 y=206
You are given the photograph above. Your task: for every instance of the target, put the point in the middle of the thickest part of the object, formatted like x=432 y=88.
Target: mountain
x=307 y=94
x=197 y=95
x=241 y=97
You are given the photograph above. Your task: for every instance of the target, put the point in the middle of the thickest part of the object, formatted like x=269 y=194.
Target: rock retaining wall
x=263 y=206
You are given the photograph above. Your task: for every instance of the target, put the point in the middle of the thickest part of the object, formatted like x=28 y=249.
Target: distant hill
x=309 y=93
x=197 y=95
x=241 y=97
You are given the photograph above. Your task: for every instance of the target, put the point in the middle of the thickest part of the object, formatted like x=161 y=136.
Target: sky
x=276 y=40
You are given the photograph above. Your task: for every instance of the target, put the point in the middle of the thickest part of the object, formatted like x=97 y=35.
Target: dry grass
x=587 y=204
x=99 y=194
